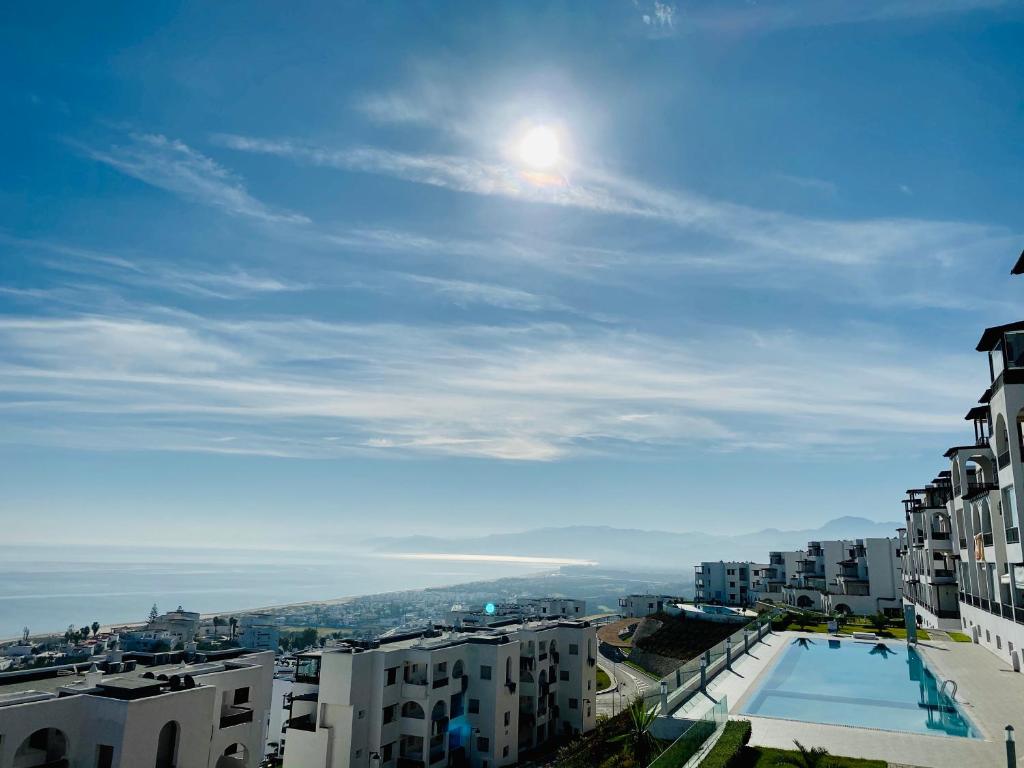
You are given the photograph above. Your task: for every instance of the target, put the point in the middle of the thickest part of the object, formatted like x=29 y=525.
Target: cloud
x=809 y=182
x=464 y=292
x=741 y=16
x=174 y=166
x=536 y=391
x=769 y=236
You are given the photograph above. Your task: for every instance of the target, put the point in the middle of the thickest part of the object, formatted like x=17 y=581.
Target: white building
x=725 y=583
x=497 y=614
x=987 y=479
x=476 y=698
x=200 y=716
x=638 y=606
x=847 y=576
x=927 y=558
x=767 y=581
x=258 y=632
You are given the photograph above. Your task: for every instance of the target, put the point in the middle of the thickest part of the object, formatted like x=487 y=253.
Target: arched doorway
x=167 y=746
x=45 y=746
x=235 y=756
x=803 y=602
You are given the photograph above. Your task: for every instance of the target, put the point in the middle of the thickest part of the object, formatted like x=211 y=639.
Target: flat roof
x=992 y=335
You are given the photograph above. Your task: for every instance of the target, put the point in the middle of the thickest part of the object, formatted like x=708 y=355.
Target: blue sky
x=267 y=271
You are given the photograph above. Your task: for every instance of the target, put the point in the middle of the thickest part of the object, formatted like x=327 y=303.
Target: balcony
x=976 y=490
x=414 y=690
x=1013 y=535
x=987 y=538
x=304 y=723
x=1004 y=459
x=440 y=682
x=963 y=543
x=235 y=716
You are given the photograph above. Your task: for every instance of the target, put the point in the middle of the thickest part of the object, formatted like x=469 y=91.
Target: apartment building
x=725 y=583
x=857 y=576
x=638 y=606
x=477 y=698
x=986 y=479
x=258 y=632
x=210 y=715
x=497 y=614
x=767 y=581
x=927 y=557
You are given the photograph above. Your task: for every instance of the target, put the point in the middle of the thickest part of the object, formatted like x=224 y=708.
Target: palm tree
x=803 y=642
x=95 y=628
x=639 y=737
x=883 y=650
x=815 y=757
x=879 y=621
x=234 y=625
x=802 y=620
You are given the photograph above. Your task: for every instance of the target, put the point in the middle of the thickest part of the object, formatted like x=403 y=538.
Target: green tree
x=306 y=638
x=153 y=613
x=879 y=621
x=815 y=757
x=802 y=620
x=85 y=632
x=234 y=626
x=638 y=739
x=95 y=628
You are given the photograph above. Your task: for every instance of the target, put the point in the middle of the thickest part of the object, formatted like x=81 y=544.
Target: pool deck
x=989 y=693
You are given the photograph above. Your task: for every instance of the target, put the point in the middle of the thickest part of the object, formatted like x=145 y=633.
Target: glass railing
x=694 y=739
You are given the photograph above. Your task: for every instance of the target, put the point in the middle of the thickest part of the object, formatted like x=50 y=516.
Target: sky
x=285 y=275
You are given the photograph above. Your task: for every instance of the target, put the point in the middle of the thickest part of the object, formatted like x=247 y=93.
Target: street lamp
x=1011 y=748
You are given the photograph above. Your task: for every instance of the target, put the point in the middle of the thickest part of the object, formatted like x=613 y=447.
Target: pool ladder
x=942 y=689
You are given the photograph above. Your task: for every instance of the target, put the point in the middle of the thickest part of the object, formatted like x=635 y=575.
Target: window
x=574 y=703
x=730 y=572
x=386 y=753
x=483 y=744
x=474 y=706
x=104 y=755
x=588 y=684
x=241 y=695
x=389 y=713
x=563 y=675
x=485 y=672
x=1009 y=508
x=574 y=650
x=508 y=719
x=360 y=713
x=359 y=753
x=392 y=673
x=504 y=751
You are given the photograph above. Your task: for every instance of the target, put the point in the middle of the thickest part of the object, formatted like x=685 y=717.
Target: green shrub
x=726 y=753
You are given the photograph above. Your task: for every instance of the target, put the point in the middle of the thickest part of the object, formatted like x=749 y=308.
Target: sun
x=539 y=147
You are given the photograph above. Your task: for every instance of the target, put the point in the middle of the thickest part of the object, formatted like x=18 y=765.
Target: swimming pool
x=865 y=684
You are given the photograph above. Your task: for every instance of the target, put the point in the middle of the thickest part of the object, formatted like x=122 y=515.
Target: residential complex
x=479 y=697
x=498 y=614
x=638 y=606
x=981 y=492
x=848 y=576
x=205 y=715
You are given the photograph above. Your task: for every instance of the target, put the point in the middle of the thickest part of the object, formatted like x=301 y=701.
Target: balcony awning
x=977 y=412
x=992 y=335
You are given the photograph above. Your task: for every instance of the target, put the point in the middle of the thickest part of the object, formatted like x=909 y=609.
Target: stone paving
x=989 y=692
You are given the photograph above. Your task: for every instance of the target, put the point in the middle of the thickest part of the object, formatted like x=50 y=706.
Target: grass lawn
x=763 y=757
x=959 y=637
x=603 y=681
x=896 y=633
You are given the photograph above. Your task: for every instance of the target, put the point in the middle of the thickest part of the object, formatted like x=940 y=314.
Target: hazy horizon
x=297 y=277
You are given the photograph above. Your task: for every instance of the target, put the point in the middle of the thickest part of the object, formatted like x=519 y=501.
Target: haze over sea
x=48 y=588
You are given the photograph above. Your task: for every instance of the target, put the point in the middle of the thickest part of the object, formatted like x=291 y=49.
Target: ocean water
x=46 y=589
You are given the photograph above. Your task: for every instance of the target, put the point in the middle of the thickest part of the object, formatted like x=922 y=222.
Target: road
x=630 y=685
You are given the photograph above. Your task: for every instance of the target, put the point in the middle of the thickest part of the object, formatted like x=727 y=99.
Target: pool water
x=865 y=684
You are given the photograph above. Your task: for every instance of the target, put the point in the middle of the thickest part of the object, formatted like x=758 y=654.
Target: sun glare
x=539 y=147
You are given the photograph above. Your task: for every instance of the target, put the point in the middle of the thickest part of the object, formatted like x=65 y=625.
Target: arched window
x=413 y=710
x=439 y=712
x=235 y=756
x=45 y=746
x=1002 y=437
x=167 y=745
x=457 y=669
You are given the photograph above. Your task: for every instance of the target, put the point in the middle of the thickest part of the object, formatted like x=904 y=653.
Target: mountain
x=634 y=548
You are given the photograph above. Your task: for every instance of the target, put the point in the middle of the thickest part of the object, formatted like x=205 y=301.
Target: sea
x=47 y=589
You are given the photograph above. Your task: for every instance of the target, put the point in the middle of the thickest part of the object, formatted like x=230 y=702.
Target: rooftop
x=992 y=335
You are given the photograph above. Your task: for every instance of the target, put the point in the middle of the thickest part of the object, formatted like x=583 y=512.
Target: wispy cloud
x=809 y=182
x=465 y=292
x=542 y=391
x=174 y=166
x=776 y=236
x=740 y=16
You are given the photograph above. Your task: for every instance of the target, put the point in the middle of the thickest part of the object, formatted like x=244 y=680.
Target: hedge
x=726 y=753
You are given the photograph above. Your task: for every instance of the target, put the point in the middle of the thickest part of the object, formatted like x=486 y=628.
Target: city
x=611 y=384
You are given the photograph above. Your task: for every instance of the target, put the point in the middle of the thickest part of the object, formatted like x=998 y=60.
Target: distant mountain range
x=637 y=549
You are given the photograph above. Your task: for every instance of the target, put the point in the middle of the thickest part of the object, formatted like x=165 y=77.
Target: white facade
x=987 y=479
x=201 y=716
x=927 y=558
x=526 y=609
x=857 y=576
x=727 y=583
x=638 y=606
x=477 y=698
x=258 y=632
x=767 y=581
